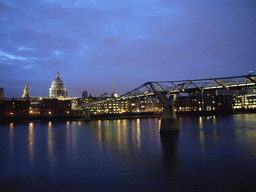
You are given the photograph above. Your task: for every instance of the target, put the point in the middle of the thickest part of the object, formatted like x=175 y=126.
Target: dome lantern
x=57 y=76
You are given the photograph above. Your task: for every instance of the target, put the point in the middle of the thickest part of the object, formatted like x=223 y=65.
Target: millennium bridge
x=168 y=92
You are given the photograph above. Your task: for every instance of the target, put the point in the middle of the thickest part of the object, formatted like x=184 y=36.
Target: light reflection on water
x=31 y=142
x=120 y=135
x=51 y=147
x=11 y=137
x=131 y=151
x=68 y=136
x=50 y=140
x=245 y=133
x=200 y=122
x=201 y=136
x=138 y=136
x=100 y=136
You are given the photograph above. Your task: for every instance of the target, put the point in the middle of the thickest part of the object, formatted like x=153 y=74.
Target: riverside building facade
x=216 y=101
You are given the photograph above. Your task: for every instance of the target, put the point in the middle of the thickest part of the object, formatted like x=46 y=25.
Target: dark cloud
x=133 y=41
x=109 y=41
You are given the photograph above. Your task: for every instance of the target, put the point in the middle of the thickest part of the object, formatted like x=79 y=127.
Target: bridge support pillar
x=87 y=116
x=169 y=122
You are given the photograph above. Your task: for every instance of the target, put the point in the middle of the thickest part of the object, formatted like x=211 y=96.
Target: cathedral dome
x=57 y=87
x=57 y=82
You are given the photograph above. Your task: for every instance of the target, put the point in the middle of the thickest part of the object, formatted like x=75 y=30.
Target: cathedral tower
x=26 y=93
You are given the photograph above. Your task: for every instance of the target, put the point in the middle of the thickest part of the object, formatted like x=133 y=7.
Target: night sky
x=96 y=42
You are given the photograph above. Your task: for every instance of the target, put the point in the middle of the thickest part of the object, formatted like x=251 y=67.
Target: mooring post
x=169 y=122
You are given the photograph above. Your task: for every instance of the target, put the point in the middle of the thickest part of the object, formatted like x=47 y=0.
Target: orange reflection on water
x=50 y=137
x=245 y=133
x=75 y=126
x=150 y=128
x=100 y=135
x=200 y=122
x=156 y=135
x=125 y=136
x=119 y=138
x=159 y=124
x=214 y=121
x=180 y=123
x=122 y=137
x=11 y=135
x=68 y=135
x=133 y=128
x=201 y=135
x=31 y=141
x=138 y=135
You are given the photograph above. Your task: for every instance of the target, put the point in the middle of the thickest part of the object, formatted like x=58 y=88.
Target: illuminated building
x=57 y=88
x=129 y=105
x=34 y=108
x=54 y=107
x=16 y=107
x=205 y=101
x=245 y=100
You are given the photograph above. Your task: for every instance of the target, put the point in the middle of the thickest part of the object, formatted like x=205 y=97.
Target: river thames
x=211 y=153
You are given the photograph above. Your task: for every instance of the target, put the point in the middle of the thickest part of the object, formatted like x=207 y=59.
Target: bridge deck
x=188 y=86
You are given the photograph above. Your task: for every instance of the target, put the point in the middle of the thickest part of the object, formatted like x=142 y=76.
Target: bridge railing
x=201 y=84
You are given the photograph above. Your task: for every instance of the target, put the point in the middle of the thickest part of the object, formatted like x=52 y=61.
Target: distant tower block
x=84 y=94
x=1 y=93
x=26 y=94
x=57 y=88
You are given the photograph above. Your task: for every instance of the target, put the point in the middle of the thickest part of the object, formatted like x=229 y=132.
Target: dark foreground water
x=210 y=154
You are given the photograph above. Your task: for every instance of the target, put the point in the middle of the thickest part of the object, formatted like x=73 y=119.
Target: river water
x=214 y=153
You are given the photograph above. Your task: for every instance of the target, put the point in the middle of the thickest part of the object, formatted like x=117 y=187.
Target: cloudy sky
x=95 y=43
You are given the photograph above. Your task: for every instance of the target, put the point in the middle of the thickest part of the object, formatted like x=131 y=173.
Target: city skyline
x=94 y=44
